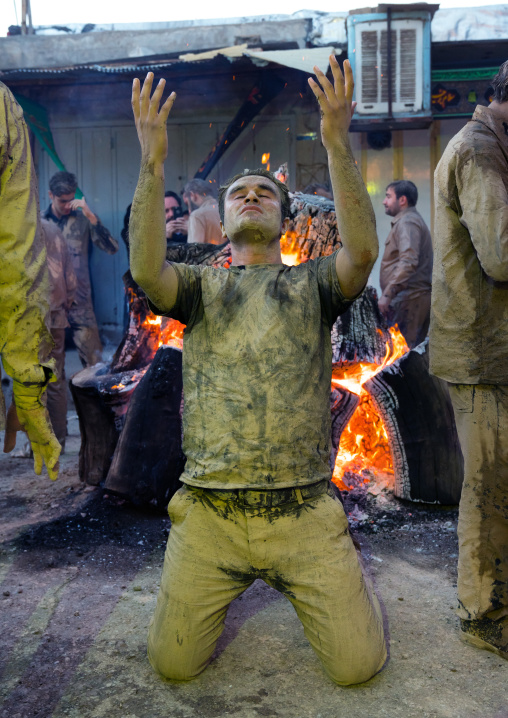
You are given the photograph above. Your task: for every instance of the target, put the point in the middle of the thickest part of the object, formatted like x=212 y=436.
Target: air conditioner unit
x=390 y=56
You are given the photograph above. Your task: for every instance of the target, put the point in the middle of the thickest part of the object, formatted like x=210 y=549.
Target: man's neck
x=499 y=109
x=55 y=212
x=247 y=253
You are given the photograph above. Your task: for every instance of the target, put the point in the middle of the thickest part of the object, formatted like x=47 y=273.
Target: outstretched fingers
x=338 y=80
x=166 y=107
x=153 y=108
x=145 y=106
x=350 y=83
x=327 y=89
x=135 y=98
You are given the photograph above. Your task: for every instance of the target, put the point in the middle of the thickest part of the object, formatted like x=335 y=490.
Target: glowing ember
x=172 y=334
x=164 y=331
x=364 y=445
x=265 y=160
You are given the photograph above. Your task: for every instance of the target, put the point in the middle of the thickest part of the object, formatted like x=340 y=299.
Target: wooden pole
x=23 y=17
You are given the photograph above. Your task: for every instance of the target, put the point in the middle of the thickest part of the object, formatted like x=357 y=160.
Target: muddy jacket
x=406 y=267
x=469 y=315
x=25 y=342
x=78 y=232
x=62 y=278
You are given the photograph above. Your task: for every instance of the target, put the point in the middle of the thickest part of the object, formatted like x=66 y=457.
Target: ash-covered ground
x=79 y=573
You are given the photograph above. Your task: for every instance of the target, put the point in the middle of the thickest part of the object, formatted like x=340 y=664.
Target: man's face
x=391 y=203
x=253 y=203
x=170 y=204
x=193 y=200
x=61 y=204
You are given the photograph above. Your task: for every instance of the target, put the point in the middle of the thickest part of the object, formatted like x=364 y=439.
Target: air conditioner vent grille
x=406 y=66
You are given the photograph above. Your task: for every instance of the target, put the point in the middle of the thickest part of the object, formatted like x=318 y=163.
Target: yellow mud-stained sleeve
x=25 y=342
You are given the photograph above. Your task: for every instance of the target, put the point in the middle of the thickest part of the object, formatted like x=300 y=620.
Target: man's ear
x=403 y=201
x=284 y=226
x=223 y=230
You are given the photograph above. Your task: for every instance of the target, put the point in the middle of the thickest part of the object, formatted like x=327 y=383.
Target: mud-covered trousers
x=85 y=334
x=216 y=549
x=481 y=415
x=56 y=392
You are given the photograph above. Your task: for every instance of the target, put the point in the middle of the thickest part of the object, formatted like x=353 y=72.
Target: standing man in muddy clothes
x=257 y=500
x=469 y=349
x=80 y=226
x=25 y=342
x=406 y=267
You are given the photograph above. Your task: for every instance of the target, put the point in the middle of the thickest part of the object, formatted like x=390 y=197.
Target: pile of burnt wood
x=130 y=410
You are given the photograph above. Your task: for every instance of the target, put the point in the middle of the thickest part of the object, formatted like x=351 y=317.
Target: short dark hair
x=63 y=183
x=198 y=186
x=500 y=84
x=170 y=193
x=407 y=189
x=285 y=202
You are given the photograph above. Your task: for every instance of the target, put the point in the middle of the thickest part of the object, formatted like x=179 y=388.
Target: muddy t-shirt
x=257 y=361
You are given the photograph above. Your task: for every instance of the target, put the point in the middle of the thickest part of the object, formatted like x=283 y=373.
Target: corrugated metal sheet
x=471 y=24
x=301 y=59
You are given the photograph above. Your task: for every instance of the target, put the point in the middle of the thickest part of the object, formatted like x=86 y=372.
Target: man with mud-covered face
x=257 y=500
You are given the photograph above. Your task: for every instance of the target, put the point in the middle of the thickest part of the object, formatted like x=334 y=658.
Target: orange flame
x=364 y=445
x=165 y=331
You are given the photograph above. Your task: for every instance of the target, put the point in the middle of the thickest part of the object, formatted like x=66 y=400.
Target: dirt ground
x=79 y=573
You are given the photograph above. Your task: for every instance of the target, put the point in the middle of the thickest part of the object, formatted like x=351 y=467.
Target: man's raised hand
x=150 y=120
x=335 y=101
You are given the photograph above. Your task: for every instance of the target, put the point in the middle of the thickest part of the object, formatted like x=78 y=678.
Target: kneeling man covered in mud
x=257 y=360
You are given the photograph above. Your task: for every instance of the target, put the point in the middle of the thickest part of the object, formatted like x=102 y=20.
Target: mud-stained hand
x=150 y=120
x=33 y=418
x=82 y=205
x=335 y=101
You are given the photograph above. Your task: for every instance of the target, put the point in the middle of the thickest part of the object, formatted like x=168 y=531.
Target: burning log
x=312 y=230
x=417 y=412
x=139 y=343
x=343 y=405
x=148 y=459
x=376 y=428
x=361 y=334
x=101 y=400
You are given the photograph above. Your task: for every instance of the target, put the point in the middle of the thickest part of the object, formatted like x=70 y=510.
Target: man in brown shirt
x=79 y=226
x=469 y=349
x=406 y=267
x=204 y=220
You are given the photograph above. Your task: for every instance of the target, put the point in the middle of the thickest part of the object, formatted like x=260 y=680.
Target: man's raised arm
x=147 y=227
x=355 y=215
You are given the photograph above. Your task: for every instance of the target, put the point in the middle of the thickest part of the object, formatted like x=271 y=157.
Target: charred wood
x=361 y=333
x=101 y=401
x=138 y=344
x=343 y=405
x=148 y=459
x=417 y=412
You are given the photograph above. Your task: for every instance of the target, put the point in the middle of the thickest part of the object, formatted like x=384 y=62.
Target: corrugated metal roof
x=301 y=59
